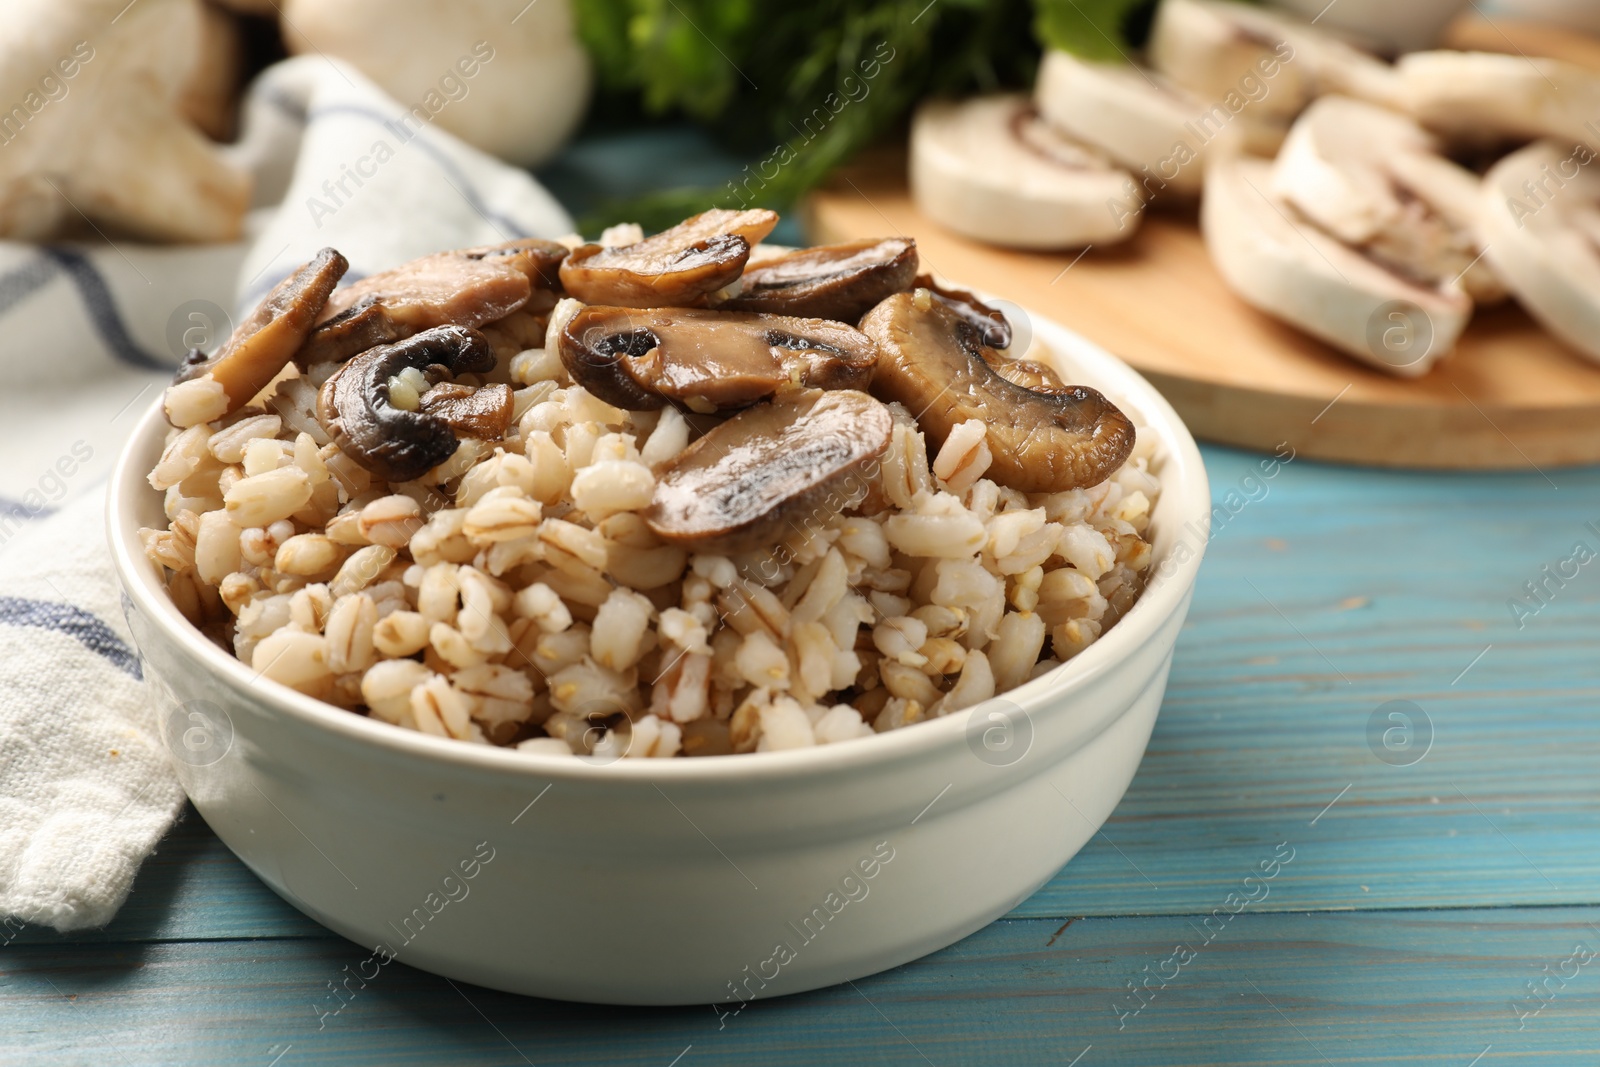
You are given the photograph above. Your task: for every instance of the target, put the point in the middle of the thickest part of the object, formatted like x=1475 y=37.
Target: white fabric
x=88 y=336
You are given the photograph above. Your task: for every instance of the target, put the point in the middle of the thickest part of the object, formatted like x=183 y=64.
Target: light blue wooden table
x=1436 y=901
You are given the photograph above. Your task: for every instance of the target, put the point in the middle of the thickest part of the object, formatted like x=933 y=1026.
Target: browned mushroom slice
x=932 y=360
x=483 y=412
x=675 y=268
x=468 y=287
x=996 y=330
x=206 y=389
x=771 y=472
x=707 y=361
x=1028 y=374
x=843 y=281
x=394 y=409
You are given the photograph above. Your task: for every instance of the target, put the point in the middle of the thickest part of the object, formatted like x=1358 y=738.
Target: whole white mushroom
x=520 y=103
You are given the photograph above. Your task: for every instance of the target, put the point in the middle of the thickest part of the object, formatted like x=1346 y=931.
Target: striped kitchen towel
x=89 y=334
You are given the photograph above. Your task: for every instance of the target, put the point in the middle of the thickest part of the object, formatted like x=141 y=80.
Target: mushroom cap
x=1548 y=251
x=263 y=344
x=1139 y=118
x=1375 y=179
x=706 y=361
x=842 y=281
x=465 y=287
x=931 y=360
x=1295 y=272
x=1468 y=95
x=521 y=103
x=677 y=267
x=398 y=444
x=766 y=473
x=989 y=168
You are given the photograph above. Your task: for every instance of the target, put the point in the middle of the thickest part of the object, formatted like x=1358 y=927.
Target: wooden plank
x=192 y=888
x=1397 y=583
x=1380 y=987
x=1478 y=33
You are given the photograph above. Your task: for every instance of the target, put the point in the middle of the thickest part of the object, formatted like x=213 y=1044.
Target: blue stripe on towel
x=103 y=313
x=18 y=285
x=76 y=623
x=16 y=509
x=290 y=106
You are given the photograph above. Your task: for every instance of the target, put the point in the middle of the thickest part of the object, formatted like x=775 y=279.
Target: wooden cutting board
x=1510 y=397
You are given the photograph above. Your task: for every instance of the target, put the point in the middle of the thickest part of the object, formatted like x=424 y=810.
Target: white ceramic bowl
x=668 y=881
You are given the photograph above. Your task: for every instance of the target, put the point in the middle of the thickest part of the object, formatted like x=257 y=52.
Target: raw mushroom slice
x=1375 y=180
x=1139 y=119
x=770 y=471
x=708 y=361
x=843 y=281
x=1295 y=272
x=468 y=287
x=989 y=168
x=1258 y=64
x=209 y=388
x=1547 y=247
x=932 y=360
x=1474 y=96
x=395 y=410
x=678 y=267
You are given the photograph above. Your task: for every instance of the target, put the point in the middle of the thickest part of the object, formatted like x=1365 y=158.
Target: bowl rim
x=1183 y=479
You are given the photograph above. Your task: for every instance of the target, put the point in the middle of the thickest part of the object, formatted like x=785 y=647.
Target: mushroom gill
x=932 y=360
x=395 y=409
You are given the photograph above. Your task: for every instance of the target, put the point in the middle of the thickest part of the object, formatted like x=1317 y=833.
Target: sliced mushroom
x=395 y=410
x=989 y=168
x=1139 y=118
x=1253 y=64
x=1476 y=96
x=1028 y=373
x=1375 y=180
x=678 y=267
x=994 y=331
x=932 y=360
x=842 y=282
x=263 y=344
x=468 y=287
x=1285 y=266
x=706 y=361
x=1544 y=237
x=771 y=472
